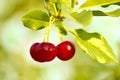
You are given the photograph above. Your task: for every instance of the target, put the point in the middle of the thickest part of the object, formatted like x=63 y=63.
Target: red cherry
x=43 y=52
x=65 y=50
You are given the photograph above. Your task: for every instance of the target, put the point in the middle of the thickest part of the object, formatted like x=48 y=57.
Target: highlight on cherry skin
x=65 y=50
x=43 y=52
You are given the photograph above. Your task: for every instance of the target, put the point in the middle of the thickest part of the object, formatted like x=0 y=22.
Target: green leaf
x=98 y=13
x=58 y=5
x=92 y=3
x=104 y=6
x=95 y=46
x=115 y=13
x=84 y=18
x=54 y=1
x=35 y=19
x=72 y=3
x=60 y=27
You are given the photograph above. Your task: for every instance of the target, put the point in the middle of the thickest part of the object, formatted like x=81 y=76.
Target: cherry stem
x=60 y=35
x=47 y=30
x=61 y=39
x=72 y=31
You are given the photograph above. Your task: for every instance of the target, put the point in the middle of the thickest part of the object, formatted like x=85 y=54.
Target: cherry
x=65 y=50
x=43 y=52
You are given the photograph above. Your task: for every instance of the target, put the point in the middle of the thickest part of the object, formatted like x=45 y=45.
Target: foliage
x=15 y=63
x=92 y=3
x=36 y=19
x=93 y=44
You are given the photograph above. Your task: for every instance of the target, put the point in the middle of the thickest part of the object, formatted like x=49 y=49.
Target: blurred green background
x=15 y=41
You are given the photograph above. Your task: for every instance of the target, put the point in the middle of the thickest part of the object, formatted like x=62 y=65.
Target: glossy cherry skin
x=43 y=52
x=65 y=50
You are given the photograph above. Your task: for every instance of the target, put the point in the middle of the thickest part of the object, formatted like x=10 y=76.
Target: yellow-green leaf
x=95 y=46
x=35 y=19
x=73 y=3
x=84 y=18
x=92 y=3
x=114 y=13
x=60 y=27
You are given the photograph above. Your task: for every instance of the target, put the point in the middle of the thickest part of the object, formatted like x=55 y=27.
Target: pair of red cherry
x=46 y=51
